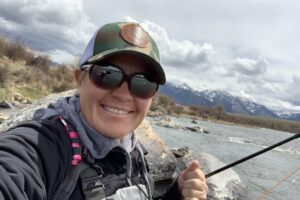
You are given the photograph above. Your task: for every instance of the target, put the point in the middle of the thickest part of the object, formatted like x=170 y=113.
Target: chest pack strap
x=92 y=185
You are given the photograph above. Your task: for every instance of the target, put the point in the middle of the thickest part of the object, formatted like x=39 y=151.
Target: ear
x=77 y=76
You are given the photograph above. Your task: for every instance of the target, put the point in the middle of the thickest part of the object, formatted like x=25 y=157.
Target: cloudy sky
x=249 y=48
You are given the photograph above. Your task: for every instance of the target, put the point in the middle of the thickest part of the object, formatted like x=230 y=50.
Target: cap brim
x=161 y=78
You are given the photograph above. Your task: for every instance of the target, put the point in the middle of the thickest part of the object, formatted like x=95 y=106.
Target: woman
x=89 y=136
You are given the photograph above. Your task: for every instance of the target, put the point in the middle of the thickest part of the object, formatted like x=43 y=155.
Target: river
x=230 y=143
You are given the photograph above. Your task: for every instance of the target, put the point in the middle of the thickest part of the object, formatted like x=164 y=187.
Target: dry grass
x=21 y=69
x=4 y=74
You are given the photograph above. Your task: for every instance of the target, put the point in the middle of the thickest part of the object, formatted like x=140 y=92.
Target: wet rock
x=194 y=121
x=168 y=123
x=197 y=129
x=206 y=131
x=179 y=153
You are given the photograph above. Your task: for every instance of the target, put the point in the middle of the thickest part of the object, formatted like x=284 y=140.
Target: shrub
x=177 y=109
x=164 y=100
x=22 y=76
x=2 y=46
x=15 y=51
x=62 y=79
x=38 y=61
x=4 y=75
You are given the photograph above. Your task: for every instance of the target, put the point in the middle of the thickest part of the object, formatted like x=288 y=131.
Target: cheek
x=89 y=93
x=144 y=105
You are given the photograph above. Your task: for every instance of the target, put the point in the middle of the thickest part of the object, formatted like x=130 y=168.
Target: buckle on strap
x=91 y=183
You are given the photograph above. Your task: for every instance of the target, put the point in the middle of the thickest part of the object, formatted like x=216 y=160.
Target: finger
x=195 y=184
x=193 y=194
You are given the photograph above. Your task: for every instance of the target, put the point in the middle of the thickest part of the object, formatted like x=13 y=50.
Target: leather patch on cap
x=134 y=34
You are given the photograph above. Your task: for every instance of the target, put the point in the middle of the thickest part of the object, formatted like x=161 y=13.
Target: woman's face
x=115 y=112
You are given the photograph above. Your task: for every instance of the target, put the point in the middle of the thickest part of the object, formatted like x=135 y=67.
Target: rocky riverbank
x=164 y=163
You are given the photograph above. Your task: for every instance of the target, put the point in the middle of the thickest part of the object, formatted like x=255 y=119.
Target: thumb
x=193 y=166
x=183 y=176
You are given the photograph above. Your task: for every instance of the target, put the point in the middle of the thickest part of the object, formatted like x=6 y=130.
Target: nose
x=122 y=92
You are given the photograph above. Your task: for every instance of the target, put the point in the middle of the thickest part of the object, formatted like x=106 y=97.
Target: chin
x=115 y=134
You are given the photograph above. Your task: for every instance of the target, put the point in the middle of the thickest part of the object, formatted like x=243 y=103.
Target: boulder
x=161 y=161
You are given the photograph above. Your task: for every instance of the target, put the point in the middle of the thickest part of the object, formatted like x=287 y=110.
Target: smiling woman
x=84 y=146
x=117 y=110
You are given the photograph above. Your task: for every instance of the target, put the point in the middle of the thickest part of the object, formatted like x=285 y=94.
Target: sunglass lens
x=142 y=87
x=106 y=78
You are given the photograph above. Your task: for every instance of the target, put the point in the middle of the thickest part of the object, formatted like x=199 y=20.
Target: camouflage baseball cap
x=123 y=37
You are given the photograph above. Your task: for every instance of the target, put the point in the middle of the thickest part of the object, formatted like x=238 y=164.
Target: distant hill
x=185 y=95
x=289 y=116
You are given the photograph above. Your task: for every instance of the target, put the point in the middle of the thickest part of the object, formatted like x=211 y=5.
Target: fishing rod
x=252 y=155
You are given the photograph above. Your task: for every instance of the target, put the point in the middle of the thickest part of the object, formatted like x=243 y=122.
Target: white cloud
x=249 y=67
x=292 y=91
x=47 y=25
x=179 y=54
x=198 y=66
x=61 y=56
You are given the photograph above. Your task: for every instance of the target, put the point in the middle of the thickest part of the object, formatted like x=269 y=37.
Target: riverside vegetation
x=34 y=75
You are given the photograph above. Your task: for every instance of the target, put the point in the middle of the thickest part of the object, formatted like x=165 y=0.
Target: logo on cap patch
x=134 y=34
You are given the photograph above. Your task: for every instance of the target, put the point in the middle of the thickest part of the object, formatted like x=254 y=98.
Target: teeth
x=115 y=110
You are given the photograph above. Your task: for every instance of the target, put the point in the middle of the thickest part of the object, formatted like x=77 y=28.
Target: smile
x=116 y=110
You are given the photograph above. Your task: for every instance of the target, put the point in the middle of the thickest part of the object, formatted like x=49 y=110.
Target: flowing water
x=230 y=143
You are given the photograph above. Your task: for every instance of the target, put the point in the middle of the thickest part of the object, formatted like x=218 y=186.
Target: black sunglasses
x=109 y=76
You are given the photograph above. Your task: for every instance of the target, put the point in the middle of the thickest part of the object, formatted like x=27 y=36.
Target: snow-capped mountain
x=185 y=95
